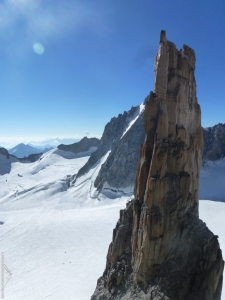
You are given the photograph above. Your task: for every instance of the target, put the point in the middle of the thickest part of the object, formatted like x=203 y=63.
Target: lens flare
x=38 y=48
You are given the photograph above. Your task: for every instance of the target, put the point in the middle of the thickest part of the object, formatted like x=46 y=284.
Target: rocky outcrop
x=4 y=152
x=123 y=155
x=84 y=145
x=160 y=248
x=6 y=161
x=214 y=139
x=120 y=167
x=31 y=158
x=119 y=170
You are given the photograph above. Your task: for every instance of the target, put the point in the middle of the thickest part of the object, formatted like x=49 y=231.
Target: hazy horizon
x=55 y=141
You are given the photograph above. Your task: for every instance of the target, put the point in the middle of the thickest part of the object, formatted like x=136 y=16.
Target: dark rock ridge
x=31 y=158
x=160 y=248
x=120 y=167
x=123 y=155
x=7 y=159
x=214 y=138
x=83 y=145
x=4 y=152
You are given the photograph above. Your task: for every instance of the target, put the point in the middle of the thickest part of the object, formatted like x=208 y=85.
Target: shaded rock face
x=6 y=161
x=83 y=145
x=214 y=138
x=31 y=157
x=160 y=247
x=120 y=167
x=4 y=152
x=123 y=155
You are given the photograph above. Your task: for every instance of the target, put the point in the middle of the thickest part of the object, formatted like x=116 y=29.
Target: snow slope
x=134 y=118
x=30 y=185
x=59 y=254
x=55 y=234
x=55 y=254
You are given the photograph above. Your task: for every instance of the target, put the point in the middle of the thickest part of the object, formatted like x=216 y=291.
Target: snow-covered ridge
x=33 y=184
x=49 y=221
x=134 y=118
x=84 y=185
x=55 y=234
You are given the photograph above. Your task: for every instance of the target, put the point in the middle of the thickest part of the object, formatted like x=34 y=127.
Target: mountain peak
x=160 y=248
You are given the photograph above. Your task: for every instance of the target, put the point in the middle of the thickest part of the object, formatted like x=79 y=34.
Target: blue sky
x=98 y=61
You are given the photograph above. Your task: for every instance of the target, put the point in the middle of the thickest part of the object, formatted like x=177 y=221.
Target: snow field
x=55 y=235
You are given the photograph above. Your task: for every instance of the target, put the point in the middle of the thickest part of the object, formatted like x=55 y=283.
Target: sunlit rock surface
x=160 y=247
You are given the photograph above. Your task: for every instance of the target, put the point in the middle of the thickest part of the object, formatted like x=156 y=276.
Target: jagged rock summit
x=160 y=247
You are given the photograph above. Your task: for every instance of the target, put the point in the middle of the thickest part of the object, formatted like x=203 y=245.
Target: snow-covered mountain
x=54 y=229
x=121 y=141
x=118 y=155
x=21 y=150
x=31 y=184
x=55 y=235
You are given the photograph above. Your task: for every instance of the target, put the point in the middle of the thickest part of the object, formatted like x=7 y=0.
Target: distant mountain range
x=112 y=164
x=22 y=150
x=47 y=143
x=27 y=154
x=7 y=159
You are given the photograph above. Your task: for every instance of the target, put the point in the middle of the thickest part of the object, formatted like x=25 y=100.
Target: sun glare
x=38 y=48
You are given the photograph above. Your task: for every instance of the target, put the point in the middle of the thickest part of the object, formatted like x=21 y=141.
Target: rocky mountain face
x=7 y=159
x=119 y=169
x=84 y=145
x=214 y=138
x=123 y=145
x=160 y=248
x=4 y=152
x=31 y=157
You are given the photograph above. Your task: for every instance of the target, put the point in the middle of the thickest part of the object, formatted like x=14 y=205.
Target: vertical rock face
x=122 y=141
x=214 y=140
x=160 y=247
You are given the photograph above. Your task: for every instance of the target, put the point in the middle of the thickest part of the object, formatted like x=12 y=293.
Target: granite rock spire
x=160 y=247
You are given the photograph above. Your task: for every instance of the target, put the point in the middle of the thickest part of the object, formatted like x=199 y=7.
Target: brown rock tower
x=160 y=248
